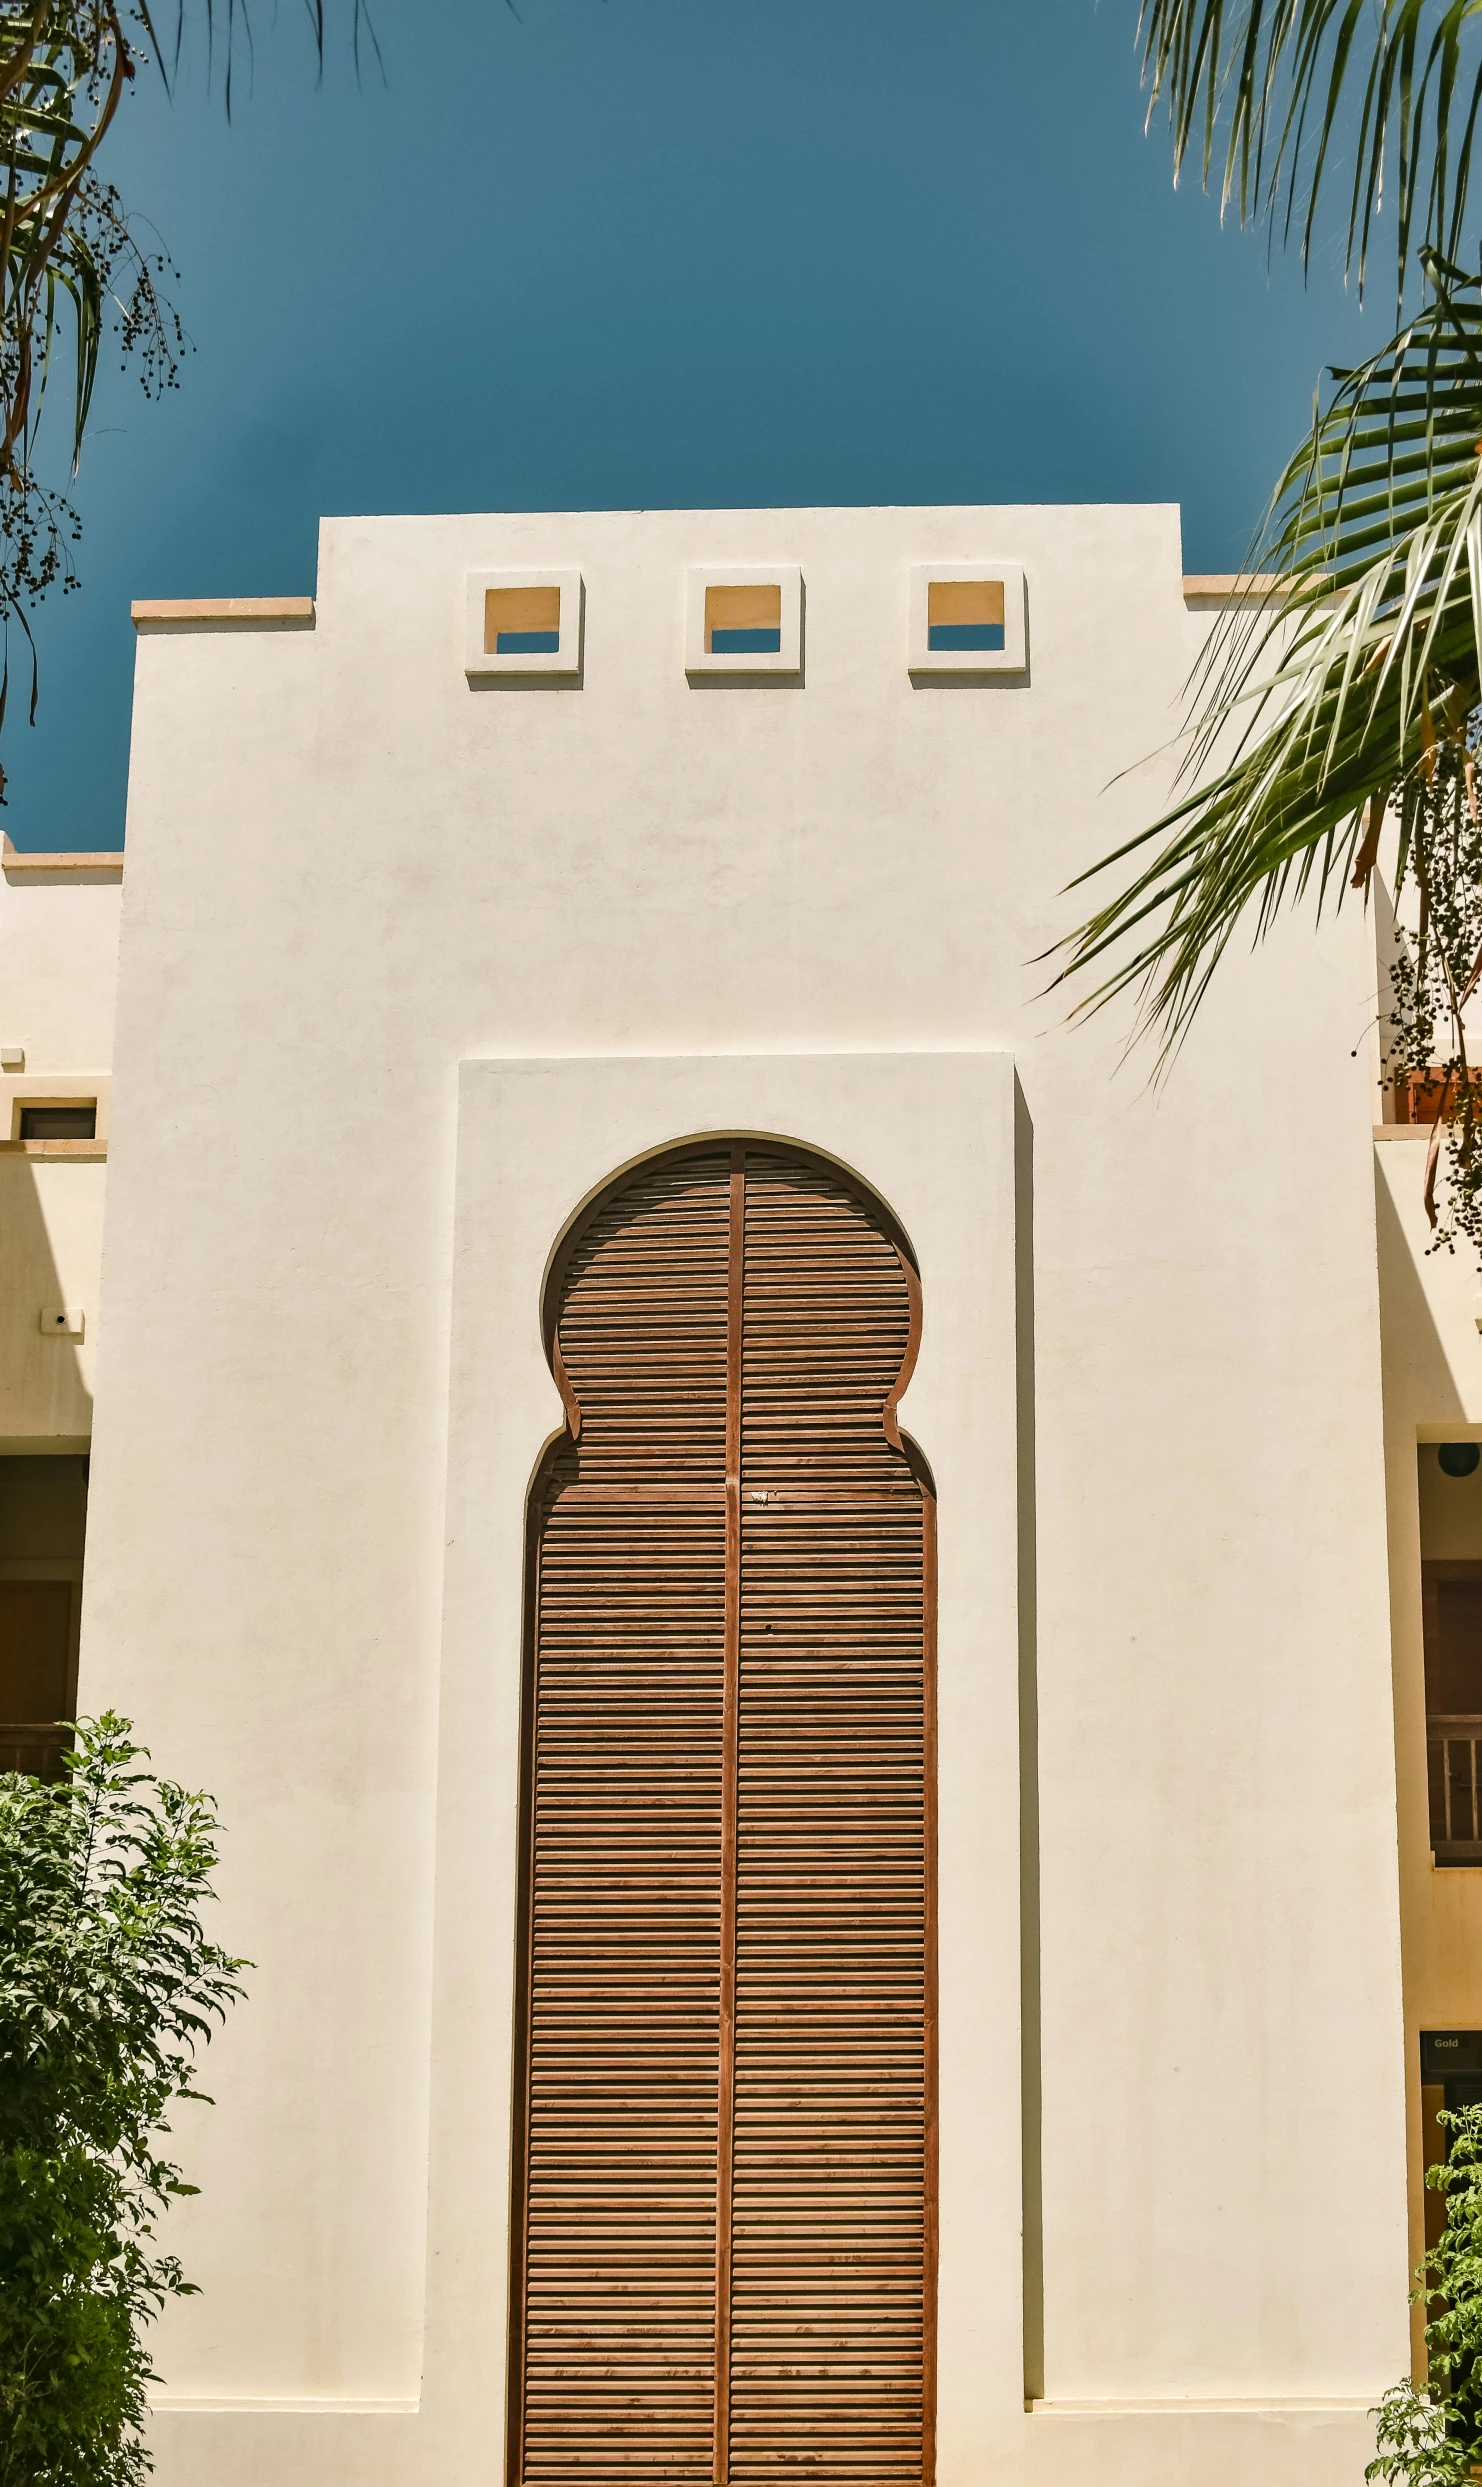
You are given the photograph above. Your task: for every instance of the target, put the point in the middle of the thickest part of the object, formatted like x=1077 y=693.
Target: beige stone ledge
x=1230 y=587
x=1223 y=586
x=1135 y=2407
x=222 y=609
x=173 y=2403
x=18 y=864
x=90 y=1151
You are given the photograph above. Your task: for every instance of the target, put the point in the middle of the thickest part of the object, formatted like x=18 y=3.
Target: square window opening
x=743 y=621
x=964 y=615
x=60 y=1122
x=522 y=621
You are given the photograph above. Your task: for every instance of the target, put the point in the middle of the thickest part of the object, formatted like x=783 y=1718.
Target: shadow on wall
x=1029 y=1835
x=44 y=1399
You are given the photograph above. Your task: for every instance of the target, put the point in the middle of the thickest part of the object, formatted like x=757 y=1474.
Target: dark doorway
x=43 y=1521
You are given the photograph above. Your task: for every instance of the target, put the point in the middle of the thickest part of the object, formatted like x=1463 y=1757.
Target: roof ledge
x=1233 y=586
x=194 y=610
x=19 y=864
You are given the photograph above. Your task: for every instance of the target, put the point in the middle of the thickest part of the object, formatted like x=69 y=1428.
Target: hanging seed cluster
x=1435 y=974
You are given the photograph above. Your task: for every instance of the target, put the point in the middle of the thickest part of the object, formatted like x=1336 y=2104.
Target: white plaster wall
x=58 y=969
x=51 y=1243
x=536 y=1139
x=1432 y=1393
x=349 y=872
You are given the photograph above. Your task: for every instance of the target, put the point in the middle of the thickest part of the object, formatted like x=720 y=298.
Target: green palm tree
x=1342 y=688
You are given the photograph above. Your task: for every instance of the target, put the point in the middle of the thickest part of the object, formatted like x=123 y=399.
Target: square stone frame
x=563 y=662
x=967 y=664
x=784 y=663
x=933 y=1135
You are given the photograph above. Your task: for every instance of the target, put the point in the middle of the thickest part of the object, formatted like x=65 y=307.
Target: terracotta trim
x=221 y=609
x=20 y=864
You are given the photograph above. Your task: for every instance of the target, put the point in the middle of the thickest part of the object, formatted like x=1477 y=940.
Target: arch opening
x=725 y=2223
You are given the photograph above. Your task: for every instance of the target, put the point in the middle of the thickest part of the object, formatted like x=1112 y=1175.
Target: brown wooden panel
x=829 y=2315
x=1421 y=1095
x=724 y=2257
x=35 y=1664
x=619 y=2212
x=1451 y=1606
x=1433 y=2141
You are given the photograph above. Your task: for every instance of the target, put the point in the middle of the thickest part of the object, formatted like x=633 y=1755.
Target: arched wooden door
x=724 y=2257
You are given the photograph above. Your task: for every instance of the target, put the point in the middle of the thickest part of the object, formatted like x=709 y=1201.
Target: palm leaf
x=68 y=258
x=1289 y=85
x=1314 y=702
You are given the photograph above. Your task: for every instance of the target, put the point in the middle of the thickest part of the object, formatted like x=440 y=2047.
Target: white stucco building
x=544 y=880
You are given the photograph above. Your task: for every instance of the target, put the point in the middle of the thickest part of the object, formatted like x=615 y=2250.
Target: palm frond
x=1286 y=87
x=69 y=261
x=1313 y=703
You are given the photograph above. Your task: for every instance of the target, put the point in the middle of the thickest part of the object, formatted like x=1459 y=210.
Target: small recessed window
x=743 y=621
x=964 y=615
x=967 y=621
x=60 y=1122
x=522 y=621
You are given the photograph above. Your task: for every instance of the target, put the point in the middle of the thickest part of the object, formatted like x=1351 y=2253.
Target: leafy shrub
x=108 y=1988
x=1430 y=2435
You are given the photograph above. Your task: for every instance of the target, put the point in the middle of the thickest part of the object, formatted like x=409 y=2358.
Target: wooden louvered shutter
x=724 y=2224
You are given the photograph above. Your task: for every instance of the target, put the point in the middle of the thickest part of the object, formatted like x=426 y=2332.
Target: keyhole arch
x=872 y=1202
x=724 y=2231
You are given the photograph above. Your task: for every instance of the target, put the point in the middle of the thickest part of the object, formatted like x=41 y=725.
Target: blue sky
x=605 y=253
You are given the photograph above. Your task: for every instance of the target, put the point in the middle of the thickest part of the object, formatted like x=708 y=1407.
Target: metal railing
x=1454 y=1768
x=35 y=1750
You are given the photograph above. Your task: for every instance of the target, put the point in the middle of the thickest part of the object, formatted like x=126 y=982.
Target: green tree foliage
x=1431 y=2435
x=1435 y=969
x=70 y=262
x=1328 y=690
x=108 y=1990
x=1374 y=97
x=69 y=259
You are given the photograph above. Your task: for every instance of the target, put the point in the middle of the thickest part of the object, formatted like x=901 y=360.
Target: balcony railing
x=1454 y=1761
x=38 y=1750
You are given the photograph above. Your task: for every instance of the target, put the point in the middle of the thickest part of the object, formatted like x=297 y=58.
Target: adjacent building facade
x=829 y=1631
